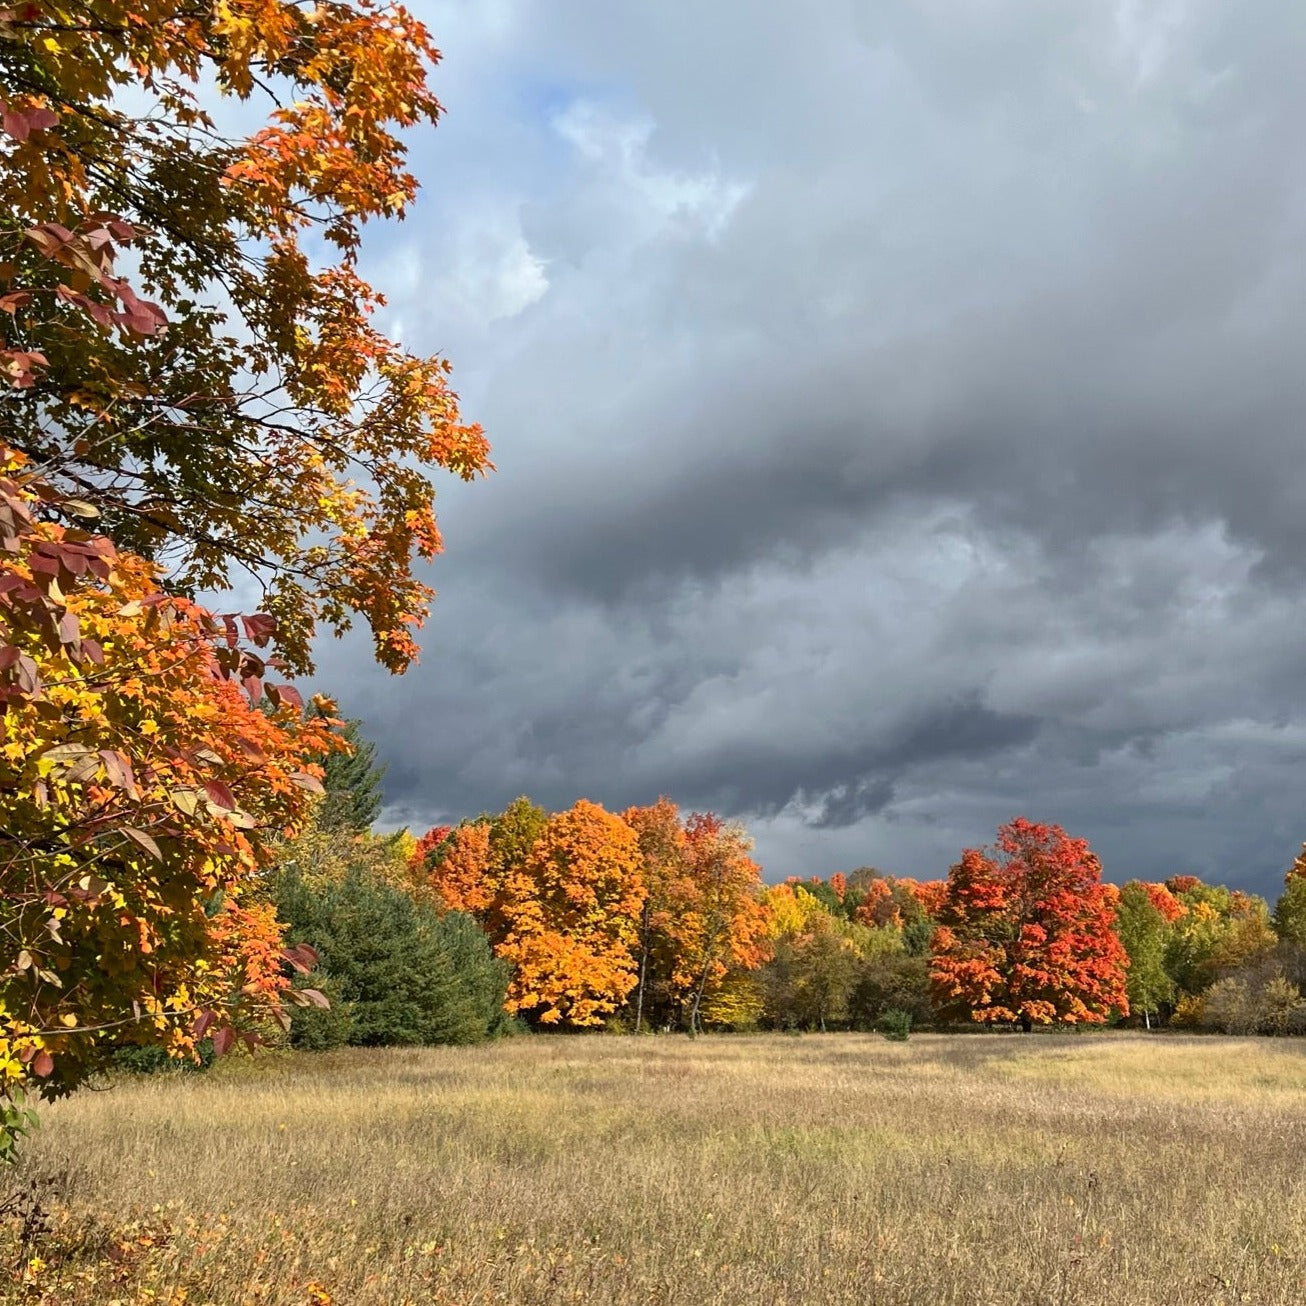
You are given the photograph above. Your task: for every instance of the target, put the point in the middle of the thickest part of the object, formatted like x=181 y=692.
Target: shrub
x=895 y=1024
x=1254 y=1005
x=1282 y=1008
x=151 y=1059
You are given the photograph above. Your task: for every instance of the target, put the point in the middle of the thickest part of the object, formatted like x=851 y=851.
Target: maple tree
x=458 y=868
x=719 y=921
x=231 y=407
x=1165 y=902
x=704 y=924
x=902 y=904
x=570 y=909
x=663 y=863
x=189 y=354
x=559 y=897
x=466 y=866
x=145 y=759
x=1025 y=935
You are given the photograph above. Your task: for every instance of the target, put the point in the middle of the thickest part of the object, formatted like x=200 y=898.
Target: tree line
x=651 y=919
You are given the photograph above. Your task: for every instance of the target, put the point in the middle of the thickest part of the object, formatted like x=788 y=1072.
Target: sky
x=898 y=411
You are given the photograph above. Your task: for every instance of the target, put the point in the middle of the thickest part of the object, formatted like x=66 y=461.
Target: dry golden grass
x=824 y=1169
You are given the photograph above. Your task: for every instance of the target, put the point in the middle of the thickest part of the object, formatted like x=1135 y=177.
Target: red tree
x=1025 y=934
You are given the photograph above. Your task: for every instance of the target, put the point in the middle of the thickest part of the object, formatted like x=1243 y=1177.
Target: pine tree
x=352 y=783
x=407 y=974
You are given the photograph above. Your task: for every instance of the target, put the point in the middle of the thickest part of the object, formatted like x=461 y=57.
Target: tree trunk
x=1026 y=1025
x=1147 y=1020
x=698 y=999
x=643 y=969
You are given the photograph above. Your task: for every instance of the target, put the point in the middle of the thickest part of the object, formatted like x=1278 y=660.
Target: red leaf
x=286 y=694
x=220 y=795
x=222 y=1040
x=259 y=627
x=301 y=957
x=43 y=1063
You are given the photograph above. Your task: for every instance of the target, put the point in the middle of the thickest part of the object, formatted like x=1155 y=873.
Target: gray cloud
x=899 y=418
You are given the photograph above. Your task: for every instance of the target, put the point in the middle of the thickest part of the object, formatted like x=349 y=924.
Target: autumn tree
x=813 y=967
x=1221 y=929
x=145 y=762
x=1143 y=929
x=1290 y=910
x=466 y=867
x=720 y=921
x=459 y=873
x=192 y=362
x=663 y=864
x=904 y=904
x=1025 y=934
x=570 y=909
x=230 y=405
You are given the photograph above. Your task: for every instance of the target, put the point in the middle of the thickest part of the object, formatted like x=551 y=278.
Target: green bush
x=405 y=973
x=152 y=1059
x=892 y=982
x=895 y=1024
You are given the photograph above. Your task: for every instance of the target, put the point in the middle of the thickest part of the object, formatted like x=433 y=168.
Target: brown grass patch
x=1051 y=1170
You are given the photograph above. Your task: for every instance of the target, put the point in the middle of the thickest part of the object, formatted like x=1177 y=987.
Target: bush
x=151 y=1059
x=895 y=1024
x=893 y=982
x=1253 y=1005
x=1282 y=1008
x=405 y=973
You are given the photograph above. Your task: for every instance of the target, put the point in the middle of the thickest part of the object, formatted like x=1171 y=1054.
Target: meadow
x=1043 y=1170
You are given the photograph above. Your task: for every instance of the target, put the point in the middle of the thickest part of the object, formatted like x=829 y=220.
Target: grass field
x=741 y=1170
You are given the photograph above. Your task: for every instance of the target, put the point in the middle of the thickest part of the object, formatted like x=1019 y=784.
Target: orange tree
x=560 y=898
x=663 y=866
x=720 y=923
x=570 y=911
x=144 y=760
x=226 y=407
x=1025 y=933
x=703 y=919
x=231 y=407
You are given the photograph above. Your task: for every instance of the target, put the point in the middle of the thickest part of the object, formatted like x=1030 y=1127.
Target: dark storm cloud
x=899 y=411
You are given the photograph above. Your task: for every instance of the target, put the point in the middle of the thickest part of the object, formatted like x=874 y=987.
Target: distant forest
x=655 y=920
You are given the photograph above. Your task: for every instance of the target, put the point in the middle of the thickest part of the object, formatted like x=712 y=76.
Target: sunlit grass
x=840 y=1168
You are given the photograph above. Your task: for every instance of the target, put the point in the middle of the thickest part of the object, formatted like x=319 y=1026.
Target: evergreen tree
x=407 y=974
x=352 y=783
